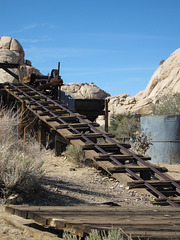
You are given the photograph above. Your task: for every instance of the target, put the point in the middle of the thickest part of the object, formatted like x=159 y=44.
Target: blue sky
x=117 y=44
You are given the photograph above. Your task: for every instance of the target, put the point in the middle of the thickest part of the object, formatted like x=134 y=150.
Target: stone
x=25 y=70
x=14 y=46
x=84 y=91
x=11 y=51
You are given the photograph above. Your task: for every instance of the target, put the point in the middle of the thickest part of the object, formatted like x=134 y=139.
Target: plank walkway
x=145 y=223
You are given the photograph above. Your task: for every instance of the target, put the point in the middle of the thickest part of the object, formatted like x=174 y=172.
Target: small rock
x=14 y=199
x=72 y=169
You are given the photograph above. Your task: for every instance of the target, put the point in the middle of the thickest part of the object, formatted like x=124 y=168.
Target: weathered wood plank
x=137 y=183
x=151 y=222
x=119 y=169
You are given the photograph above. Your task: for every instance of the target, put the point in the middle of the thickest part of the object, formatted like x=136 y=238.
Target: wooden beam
x=59 y=146
x=42 y=135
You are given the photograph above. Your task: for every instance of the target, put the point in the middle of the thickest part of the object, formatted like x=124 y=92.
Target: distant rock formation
x=84 y=91
x=165 y=80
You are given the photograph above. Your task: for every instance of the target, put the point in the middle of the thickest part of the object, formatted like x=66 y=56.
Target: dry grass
x=20 y=162
x=75 y=154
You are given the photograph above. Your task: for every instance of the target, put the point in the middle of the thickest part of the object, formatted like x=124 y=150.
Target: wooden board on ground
x=149 y=222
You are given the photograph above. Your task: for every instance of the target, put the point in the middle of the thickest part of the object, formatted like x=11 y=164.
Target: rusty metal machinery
x=51 y=86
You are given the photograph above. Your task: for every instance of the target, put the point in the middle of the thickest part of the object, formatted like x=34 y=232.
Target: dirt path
x=71 y=185
x=66 y=185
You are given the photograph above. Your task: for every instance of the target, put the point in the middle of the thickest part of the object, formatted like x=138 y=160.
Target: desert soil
x=65 y=184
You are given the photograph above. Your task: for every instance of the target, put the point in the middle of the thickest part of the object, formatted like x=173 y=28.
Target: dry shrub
x=75 y=154
x=142 y=143
x=167 y=105
x=20 y=162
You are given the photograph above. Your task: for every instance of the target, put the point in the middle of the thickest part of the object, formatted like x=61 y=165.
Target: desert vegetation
x=167 y=105
x=75 y=154
x=125 y=126
x=95 y=235
x=21 y=162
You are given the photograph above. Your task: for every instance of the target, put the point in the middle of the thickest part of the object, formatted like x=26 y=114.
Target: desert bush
x=125 y=126
x=167 y=105
x=111 y=235
x=161 y=62
x=69 y=236
x=75 y=154
x=96 y=235
x=20 y=162
x=141 y=143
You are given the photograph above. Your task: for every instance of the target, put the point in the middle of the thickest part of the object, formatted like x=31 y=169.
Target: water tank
x=165 y=134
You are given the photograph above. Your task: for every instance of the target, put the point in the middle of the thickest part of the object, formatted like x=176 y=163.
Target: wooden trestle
x=115 y=158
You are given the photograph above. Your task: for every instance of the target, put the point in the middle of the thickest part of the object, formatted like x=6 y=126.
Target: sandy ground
x=66 y=184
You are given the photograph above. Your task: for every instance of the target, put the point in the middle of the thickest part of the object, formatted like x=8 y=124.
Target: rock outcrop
x=165 y=80
x=11 y=51
x=84 y=91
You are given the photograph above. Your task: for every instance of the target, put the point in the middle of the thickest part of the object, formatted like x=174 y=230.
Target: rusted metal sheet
x=91 y=108
x=165 y=134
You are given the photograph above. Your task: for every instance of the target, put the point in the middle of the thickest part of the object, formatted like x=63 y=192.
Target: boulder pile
x=84 y=91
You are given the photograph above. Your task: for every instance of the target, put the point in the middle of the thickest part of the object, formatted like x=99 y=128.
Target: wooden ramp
x=52 y=120
x=145 y=223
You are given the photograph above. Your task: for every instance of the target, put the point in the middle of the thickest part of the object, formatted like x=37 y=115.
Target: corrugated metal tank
x=165 y=134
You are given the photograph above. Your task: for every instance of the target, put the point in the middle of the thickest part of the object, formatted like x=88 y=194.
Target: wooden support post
x=21 y=118
x=58 y=149
x=59 y=145
x=8 y=96
x=2 y=100
x=106 y=114
x=42 y=135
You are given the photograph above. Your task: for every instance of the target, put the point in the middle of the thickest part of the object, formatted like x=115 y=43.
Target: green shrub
x=69 y=236
x=161 y=62
x=102 y=235
x=125 y=126
x=111 y=235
